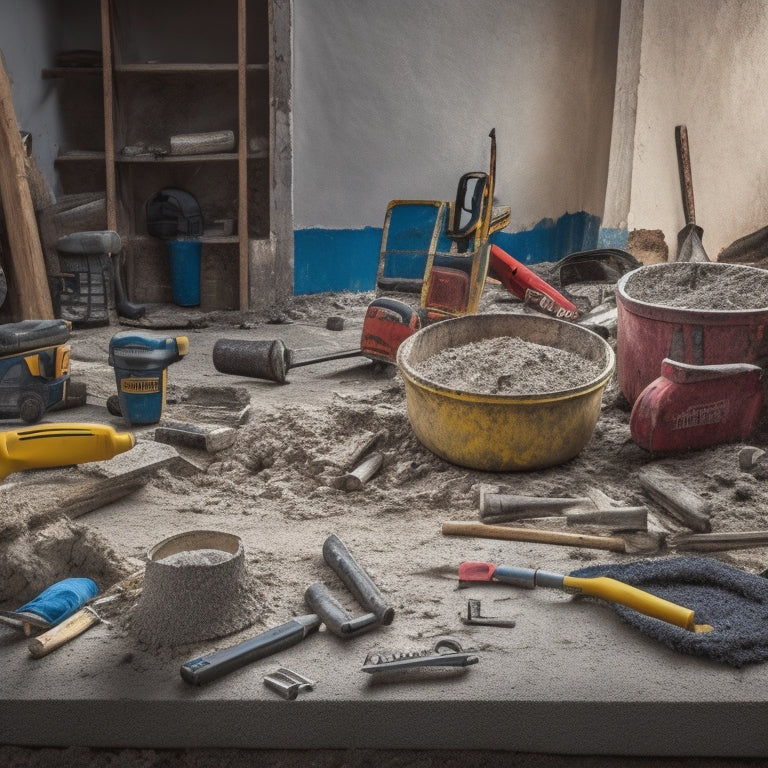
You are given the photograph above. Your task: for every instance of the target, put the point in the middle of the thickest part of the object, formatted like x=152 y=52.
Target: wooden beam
x=109 y=115
x=242 y=152
x=25 y=264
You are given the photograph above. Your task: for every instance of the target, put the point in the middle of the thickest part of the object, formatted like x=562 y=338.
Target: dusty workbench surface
x=570 y=676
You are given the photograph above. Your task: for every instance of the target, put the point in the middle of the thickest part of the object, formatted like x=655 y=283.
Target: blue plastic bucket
x=185 y=271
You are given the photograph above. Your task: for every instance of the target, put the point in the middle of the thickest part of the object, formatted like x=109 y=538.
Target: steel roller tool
x=359 y=583
x=387 y=324
x=600 y=586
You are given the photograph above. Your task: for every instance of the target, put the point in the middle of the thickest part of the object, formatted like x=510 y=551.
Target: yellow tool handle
x=55 y=637
x=637 y=599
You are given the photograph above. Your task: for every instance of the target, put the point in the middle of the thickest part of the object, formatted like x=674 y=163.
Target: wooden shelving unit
x=180 y=67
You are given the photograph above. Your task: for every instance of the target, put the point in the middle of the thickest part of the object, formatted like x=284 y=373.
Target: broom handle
x=612 y=543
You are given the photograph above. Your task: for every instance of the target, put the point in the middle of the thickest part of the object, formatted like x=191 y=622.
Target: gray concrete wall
x=395 y=100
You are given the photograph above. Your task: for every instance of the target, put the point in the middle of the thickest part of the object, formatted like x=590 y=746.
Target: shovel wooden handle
x=684 y=166
x=460 y=528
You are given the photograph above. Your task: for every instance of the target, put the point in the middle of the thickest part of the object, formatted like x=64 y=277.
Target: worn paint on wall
x=339 y=260
x=396 y=100
x=401 y=108
x=31 y=33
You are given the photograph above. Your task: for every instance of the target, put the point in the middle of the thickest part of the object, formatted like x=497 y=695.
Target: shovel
x=689 y=246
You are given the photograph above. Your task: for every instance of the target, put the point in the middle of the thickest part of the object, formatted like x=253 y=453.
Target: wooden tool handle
x=686 y=180
x=612 y=543
x=75 y=625
x=358 y=477
x=24 y=261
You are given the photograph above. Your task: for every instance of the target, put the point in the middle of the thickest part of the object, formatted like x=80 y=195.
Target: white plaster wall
x=396 y=100
x=703 y=64
x=31 y=33
x=25 y=44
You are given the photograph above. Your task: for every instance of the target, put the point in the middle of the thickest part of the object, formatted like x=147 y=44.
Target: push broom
x=597 y=586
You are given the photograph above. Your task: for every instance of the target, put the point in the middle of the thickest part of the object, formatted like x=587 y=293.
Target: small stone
x=749 y=457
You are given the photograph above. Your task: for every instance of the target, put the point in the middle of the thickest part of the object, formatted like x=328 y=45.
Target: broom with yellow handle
x=59 y=445
x=598 y=586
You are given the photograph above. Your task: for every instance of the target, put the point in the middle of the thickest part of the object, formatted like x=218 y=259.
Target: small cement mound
x=195 y=588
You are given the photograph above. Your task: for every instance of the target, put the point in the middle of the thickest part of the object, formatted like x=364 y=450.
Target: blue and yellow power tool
x=34 y=367
x=141 y=362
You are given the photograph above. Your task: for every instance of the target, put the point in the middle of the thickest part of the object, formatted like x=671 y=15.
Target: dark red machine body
x=695 y=406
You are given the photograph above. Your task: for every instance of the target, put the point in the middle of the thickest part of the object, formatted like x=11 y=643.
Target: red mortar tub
x=647 y=333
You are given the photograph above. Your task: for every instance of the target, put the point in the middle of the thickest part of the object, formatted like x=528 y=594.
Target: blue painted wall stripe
x=613 y=238
x=347 y=259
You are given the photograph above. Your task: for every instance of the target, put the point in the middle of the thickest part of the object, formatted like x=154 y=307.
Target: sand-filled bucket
x=195 y=588
x=695 y=313
x=504 y=432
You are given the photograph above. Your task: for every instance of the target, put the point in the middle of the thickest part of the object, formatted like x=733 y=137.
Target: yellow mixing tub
x=503 y=433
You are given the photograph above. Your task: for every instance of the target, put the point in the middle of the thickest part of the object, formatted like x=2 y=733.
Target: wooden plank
x=615 y=518
x=109 y=115
x=25 y=265
x=682 y=503
x=242 y=151
x=716 y=542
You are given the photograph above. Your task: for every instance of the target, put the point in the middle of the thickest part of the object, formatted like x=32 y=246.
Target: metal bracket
x=474 y=616
x=288 y=683
x=446 y=652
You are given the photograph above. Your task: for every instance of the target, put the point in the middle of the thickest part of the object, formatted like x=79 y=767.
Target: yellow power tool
x=59 y=445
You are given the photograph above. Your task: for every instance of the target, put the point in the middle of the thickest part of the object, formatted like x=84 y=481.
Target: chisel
x=219 y=663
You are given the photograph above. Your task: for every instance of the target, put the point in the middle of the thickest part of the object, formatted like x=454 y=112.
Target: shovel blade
x=689 y=246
